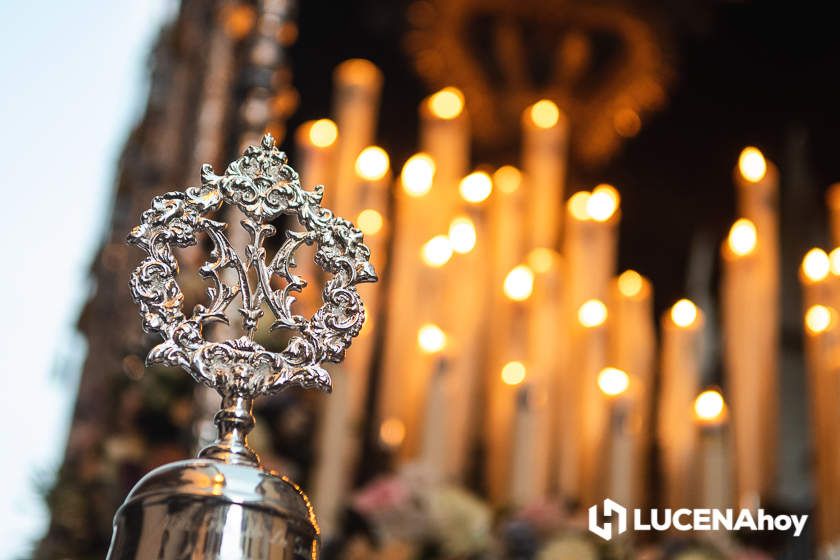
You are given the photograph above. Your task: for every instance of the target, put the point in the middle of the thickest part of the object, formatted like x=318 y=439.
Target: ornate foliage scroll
x=263 y=187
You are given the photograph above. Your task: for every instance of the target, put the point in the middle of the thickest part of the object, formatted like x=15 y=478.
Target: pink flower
x=382 y=494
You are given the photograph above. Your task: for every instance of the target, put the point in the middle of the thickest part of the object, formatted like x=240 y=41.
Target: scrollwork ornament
x=264 y=187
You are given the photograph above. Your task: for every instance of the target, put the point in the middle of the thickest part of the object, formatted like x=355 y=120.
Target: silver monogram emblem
x=263 y=187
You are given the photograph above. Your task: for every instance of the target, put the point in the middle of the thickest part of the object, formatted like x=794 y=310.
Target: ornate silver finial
x=263 y=187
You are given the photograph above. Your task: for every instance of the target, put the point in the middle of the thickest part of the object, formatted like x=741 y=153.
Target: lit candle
x=749 y=365
x=507 y=224
x=757 y=189
x=414 y=376
x=680 y=365
x=710 y=416
x=315 y=144
x=590 y=243
x=445 y=136
x=358 y=84
x=619 y=456
x=373 y=173
x=464 y=316
x=590 y=429
x=546 y=349
x=544 y=154
x=821 y=343
x=506 y=235
x=632 y=341
x=510 y=328
x=437 y=419
x=589 y=249
x=757 y=185
x=814 y=277
x=527 y=417
x=340 y=436
x=404 y=283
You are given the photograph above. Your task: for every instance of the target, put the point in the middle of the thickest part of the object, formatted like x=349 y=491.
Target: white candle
x=437 y=420
x=445 y=136
x=315 y=145
x=358 y=84
x=507 y=370
x=633 y=349
x=710 y=413
x=590 y=440
x=814 y=277
x=748 y=362
x=466 y=302
x=757 y=188
x=589 y=248
x=618 y=456
x=680 y=364
x=340 y=436
x=415 y=375
x=404 y=283
x=544 y=154
x=529 y=406
x=546 y=352
x=426 y=203
x=822 y=340
x=506 y=234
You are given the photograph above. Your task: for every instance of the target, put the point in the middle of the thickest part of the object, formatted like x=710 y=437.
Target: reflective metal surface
x=205 y=509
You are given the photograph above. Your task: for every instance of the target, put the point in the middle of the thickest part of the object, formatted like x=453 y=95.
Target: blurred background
x=585 y=249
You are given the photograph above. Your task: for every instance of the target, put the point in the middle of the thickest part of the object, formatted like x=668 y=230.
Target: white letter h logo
x=611 y=509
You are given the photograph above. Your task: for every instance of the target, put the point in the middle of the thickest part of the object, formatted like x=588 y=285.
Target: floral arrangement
x=409 y=516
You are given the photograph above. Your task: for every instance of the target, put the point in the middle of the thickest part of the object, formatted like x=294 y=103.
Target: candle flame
x=370 y=221
x=602 y=203
x=592 y=313
x=519 y=283
x=476 y=187
x=541 y=259
x=544 y=113
x=372 y=163
x=392 y=432
x=462 y=235
x=417 y=174
x=513 y=373
x=752 y=165
x=818 y=318
x=447 y=103
x=613 y=381
x=577 y=205
x=816 y=265
x=630 y=283
x=507 y=178
x=323 y=133
x=709 y=406
x=437 y=251
x=742 y=237
x=431 y=339
x=684 y=313
x=834 y=261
